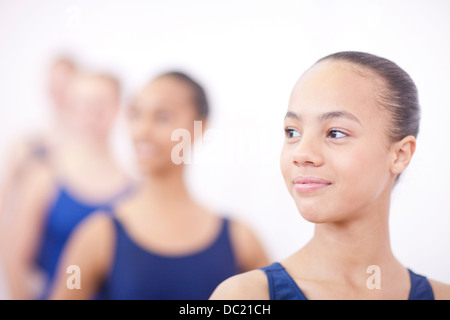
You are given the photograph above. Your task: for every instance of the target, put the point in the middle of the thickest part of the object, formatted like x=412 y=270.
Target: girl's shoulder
x=251 y=285
x=441 y=290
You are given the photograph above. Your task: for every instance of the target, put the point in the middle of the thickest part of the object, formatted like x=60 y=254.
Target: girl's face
x=163 y=106
x=93 y=103
x=59 y=79
x=336 y=157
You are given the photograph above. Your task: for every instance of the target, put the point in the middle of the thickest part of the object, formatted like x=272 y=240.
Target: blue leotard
x=139 y=274
x=283 y=287
x=63 y=215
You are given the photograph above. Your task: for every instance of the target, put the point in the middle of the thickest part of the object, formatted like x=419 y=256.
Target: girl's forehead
x=92 y=82
x=329 y=85
x=163 y=92
x=167 y=85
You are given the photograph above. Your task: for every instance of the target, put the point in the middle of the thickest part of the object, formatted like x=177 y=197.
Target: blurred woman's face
x=59 y=79
x=93 y=103
x=336 y=156
x=164 y=105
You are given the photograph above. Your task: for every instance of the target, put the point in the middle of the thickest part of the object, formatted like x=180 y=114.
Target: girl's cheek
x=350 y=164
x=360 y=168
x=285 y=164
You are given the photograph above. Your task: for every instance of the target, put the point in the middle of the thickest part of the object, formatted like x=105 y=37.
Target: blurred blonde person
x=36 y=147
x=77 y=178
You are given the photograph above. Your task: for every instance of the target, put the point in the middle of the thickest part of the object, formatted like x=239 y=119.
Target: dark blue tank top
x=283 y=287
x=62 y=217
x=138 y=274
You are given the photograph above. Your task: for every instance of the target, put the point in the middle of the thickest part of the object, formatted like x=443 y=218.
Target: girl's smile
x=309 y=184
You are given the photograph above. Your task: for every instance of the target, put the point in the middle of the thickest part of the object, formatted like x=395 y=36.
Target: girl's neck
x=165 y=189
x=346 y=248
x=89 y=157
x=92 y=148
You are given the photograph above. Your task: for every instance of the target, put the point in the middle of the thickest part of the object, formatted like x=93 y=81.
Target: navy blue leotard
x=283 y=287
x=139 y=274
x=63 y=215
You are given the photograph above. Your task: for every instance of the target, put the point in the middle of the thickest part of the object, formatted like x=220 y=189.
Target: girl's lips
x=145 y=149
x=309 y=184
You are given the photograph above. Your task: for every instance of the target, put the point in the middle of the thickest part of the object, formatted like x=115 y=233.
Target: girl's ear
x=403 y=151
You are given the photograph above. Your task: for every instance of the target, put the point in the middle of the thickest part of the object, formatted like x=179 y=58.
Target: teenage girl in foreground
x=159 y=243
x=351 y=130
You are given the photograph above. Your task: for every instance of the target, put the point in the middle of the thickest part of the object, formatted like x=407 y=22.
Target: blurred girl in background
x=39 y=145
x=74 y=180
x=159 y=243
x=33 y=148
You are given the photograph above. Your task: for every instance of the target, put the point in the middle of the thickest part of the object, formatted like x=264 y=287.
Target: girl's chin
x=322 y=216
x=317 y=214
x=153 y=168
x=315 y=218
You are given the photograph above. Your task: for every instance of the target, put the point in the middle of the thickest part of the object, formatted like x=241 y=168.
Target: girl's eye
x=133 y=113
x=162 y=117
x=291 y=133
x=336 y=134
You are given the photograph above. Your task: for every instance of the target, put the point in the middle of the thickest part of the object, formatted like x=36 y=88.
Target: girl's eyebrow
x=292 y=115
x=325 y=116
x=339 y=114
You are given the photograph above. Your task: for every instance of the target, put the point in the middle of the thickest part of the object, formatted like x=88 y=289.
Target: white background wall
x=248 y=54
